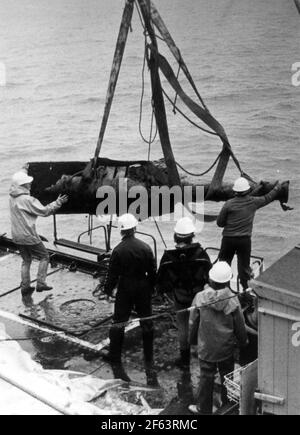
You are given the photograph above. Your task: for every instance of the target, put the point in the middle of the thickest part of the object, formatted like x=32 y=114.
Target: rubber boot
x=116 y=336
x=185 y=388
x=27 y=291
x=119 y=372
x=183 y=362
x=148 y=335
x=43 y=288
x=151 y=375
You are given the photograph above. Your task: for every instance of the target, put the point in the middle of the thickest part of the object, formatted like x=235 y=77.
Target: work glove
x=111 y=297
x=62 y=199
x=25 y=167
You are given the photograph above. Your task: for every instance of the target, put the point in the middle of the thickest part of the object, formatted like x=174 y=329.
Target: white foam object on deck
x=28 y=389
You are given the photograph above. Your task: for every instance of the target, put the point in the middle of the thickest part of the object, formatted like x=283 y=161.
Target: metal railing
x=257 y=260
x=107 y=235
x=147 y=235
x=90 y=230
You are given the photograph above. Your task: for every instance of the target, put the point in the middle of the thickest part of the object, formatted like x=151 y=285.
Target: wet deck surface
x=10 y=276
x=73 y=306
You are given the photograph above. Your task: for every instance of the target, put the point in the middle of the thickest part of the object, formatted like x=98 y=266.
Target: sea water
x=55 y=62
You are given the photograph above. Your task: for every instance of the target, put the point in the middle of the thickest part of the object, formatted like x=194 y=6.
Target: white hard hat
x=241 y=185
x=127 y=222
x=21 y=178
x=184 y=227
x=220 y=272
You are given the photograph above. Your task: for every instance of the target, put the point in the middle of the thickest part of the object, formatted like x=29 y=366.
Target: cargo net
x=232 y=382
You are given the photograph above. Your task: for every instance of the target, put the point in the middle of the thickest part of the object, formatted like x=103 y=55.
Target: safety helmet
x=220 y=272
x=184 y=227
x=241 y=185
x=127 y=222
x=21 y=178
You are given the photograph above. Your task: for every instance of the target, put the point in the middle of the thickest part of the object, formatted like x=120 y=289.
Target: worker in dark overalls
x=236 y=217
x=132 y=269
x=183 y=272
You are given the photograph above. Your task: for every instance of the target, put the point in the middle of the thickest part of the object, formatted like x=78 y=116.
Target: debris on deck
x=27 y=388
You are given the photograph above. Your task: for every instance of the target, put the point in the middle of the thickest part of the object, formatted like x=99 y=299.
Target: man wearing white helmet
x=237 y=217
x=24 y=210
x=183 y=272
x=132 y=269
x=221 y=327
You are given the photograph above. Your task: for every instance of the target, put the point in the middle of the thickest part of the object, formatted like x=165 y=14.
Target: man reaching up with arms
x=24 y=210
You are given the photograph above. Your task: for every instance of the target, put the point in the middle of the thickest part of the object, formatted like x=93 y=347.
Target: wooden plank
x=293 y=371
x=80 y=247
x=248 y=387
x=284 y=360
x=280 y=315
x=277 y=294
x=266 y=354
x=281 y=360
x=269 y=399
x=64 y=336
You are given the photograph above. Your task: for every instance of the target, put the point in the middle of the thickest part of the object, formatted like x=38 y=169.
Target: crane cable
x=184 y=310
x=193 y=174
x=176 y=108
x=151 y=139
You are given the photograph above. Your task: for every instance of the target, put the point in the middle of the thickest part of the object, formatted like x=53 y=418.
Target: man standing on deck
x=24 y=210
x=133 y=270
x=236 y=217
x=221 y=327
x=183 y=272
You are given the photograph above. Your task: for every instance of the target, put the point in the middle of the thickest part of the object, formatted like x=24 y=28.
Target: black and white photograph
x=149 y=200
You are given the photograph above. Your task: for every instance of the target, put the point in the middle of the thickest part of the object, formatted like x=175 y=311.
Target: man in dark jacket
x=236 y=217
x=133 y=270
x=221 y=328
x=183 y=272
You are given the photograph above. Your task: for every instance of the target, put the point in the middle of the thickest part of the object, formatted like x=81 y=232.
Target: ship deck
x=67 y=328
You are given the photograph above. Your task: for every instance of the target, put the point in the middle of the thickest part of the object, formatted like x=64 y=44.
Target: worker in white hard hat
x=220 y=323
x=183 y=272
x=237 y=217
x=132 y=269
x=24 y=210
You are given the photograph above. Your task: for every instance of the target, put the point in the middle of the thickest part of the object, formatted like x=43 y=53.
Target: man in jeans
x=24 y=210
x=237 y=217
x=221 y=328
